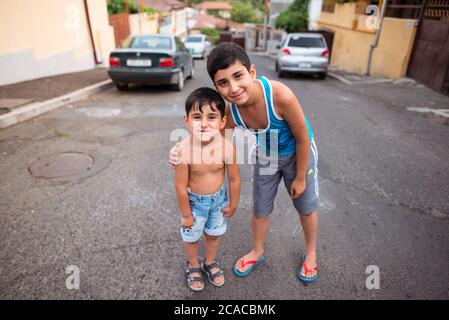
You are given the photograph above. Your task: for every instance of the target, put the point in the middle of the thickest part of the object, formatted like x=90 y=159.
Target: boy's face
x=235 y=82
x=206 y=125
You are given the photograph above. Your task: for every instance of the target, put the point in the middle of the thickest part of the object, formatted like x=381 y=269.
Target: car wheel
x=276 y=67
x=322 y=75
x=180 y=85
x=121 y=86
x=281 y=73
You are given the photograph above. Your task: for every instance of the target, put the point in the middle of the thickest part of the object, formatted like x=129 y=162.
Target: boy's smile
x=235 y=82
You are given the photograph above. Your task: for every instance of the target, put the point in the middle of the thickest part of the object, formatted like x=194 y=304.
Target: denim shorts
x=207 y=215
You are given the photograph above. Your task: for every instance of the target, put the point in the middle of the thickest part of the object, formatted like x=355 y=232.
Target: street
x=384 y=189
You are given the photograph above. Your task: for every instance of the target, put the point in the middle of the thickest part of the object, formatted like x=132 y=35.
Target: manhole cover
x=61 y=165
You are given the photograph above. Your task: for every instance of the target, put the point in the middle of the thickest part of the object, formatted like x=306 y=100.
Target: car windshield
x=305 y=42
x=194 y=39
x=151 y=42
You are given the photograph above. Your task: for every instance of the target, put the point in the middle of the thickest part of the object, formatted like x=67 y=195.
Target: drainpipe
x=90 y=33
x=376 y=37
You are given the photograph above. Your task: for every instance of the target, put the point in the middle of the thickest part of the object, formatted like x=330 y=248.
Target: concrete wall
x=47 y=37
x=141 y=23
x=354 y=35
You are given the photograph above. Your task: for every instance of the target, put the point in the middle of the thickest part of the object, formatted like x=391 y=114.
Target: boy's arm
x=182 y=182
x=233 y=171
x=230 y=125
x=290 y=109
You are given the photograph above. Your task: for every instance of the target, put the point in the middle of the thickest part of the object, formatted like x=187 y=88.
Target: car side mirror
x=278 y=46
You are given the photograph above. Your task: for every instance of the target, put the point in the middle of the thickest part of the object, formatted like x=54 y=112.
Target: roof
x=213 y=5
x=206 y=21
x=162 y=5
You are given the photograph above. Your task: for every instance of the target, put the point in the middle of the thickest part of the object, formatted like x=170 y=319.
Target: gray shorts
x=267 y=174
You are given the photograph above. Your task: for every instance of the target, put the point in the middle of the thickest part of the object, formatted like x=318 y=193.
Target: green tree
x=294 y=18
x=243 y=12
x=118 y=6
x=191 y=3
x=212 y=33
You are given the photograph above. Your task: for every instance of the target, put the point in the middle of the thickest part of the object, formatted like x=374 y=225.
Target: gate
x=429 y=62
x=120 y=23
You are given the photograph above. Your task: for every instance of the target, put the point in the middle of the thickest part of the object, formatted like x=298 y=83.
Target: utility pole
x=266 y=10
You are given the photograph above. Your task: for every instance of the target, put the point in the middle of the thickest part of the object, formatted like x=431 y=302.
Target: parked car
x=151 y=59
x=303 y=53
x=198 y=44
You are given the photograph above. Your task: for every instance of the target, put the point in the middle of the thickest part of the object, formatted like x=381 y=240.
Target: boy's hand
x=297 y=188
x=187 y=222
x=228 y=211
x=174 y=156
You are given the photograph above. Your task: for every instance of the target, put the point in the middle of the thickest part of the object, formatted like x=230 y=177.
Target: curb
x=32 y=110
x=346 y=81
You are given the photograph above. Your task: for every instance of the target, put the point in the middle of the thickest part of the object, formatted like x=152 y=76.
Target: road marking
x=439 y=112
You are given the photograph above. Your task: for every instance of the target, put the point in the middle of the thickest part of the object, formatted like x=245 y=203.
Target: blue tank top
x=266 y=138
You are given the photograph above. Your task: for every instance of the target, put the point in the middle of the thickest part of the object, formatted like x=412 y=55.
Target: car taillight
x=114 y=62
x=325 y=53
x=285 y=51
x=166 y=62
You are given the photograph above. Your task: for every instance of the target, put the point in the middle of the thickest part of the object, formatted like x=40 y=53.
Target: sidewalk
x=24 y=100
x=404 y=93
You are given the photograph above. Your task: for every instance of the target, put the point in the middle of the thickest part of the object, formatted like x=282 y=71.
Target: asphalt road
x=384 y=186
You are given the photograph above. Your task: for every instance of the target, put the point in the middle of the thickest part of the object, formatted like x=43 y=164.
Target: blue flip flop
x=306 y=279
x=247 y=272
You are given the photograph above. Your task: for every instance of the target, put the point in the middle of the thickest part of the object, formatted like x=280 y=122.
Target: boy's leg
x=266 y=179
x=259 y=229
x=306 y=204
x=211 y=248
x=192 y=249
x=310 y=227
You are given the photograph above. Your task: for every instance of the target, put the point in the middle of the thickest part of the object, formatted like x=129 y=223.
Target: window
x=151 y=42
x=194 y=39
x=305 y=42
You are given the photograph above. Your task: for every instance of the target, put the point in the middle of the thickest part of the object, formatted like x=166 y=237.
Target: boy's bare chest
x=213 y=168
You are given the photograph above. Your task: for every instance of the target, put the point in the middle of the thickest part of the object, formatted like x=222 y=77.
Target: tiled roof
x=206 y=21
x=213 y=5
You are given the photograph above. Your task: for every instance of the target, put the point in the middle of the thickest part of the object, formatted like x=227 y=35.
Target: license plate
x=305 y=65
x=138 y=63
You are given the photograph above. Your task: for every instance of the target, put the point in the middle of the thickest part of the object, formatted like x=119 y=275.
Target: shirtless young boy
x=200 y=188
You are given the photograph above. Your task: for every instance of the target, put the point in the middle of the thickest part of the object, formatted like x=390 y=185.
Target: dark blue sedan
x=151 y=59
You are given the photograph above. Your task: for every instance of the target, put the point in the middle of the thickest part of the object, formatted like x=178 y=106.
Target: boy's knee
x=260 y=218
x=210 y=238
x=191 y=243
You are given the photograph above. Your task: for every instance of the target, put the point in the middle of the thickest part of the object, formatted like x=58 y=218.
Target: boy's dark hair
x=205 y=96
x=224 y=55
